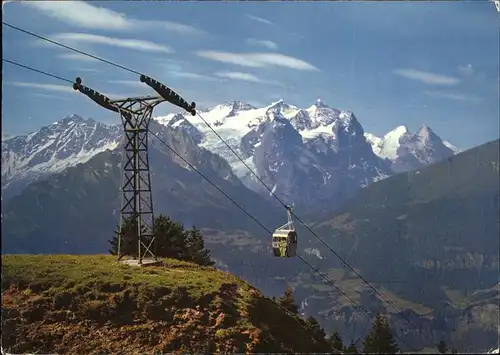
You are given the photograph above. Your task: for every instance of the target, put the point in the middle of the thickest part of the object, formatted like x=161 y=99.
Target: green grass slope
x=92 y=304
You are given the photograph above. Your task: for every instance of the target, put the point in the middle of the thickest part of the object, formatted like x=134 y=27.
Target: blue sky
x=391 y=63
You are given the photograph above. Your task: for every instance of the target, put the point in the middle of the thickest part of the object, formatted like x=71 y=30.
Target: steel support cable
x=346 y=264
x=37 y=71
x=328 y=280
x=323 y=276
x=230 y=148
x=256 y=220
x=225 y=143
x=70 y=48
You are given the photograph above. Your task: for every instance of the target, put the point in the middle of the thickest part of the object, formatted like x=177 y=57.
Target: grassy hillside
x=92 y=304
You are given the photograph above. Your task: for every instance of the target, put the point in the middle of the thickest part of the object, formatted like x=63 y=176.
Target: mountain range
x=405 y=232
x=322 y=149
x=89 y=191
x=409 y=151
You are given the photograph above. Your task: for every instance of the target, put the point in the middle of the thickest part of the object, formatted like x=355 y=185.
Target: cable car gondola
x=285 y=238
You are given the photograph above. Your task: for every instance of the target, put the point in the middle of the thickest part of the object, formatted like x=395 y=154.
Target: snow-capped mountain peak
x=348 y=119
x=409 y=151
x=396 y=132
x=427 y=134
x=282 y=108
x=391 y=142
x=278 y=103
x=67 y=142
x=322 y=115
x=236 y=107
x=452 y=147
x=373 y=140
x=320 y=103
x=285 y=145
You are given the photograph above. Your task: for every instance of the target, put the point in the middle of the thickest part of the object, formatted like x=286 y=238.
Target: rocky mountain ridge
x=322 y=149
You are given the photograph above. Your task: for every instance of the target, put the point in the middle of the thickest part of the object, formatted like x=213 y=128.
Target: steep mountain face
x=89 y=192
x=410 y=151
x=431 y=238
x=321 y=149
x=70 y=141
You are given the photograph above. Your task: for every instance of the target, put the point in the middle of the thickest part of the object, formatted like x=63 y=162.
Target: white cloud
x=452 y=96
x=134 y=83
x=244 y=77
x=426 y=77
x=54 y=88
x=239 y=76
x=169 y=26
x=85 y=15
x=260 y=19
x=263 y=42
x=48 y=96
x=257 y=60
x=134 y=44
x=77 y=57
x=466 y=70
x=82 y=14
x=194 y=76
x=88 y=70
x=45 y=87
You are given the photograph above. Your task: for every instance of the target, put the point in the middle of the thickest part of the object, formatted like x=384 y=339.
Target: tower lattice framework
x=136 y=195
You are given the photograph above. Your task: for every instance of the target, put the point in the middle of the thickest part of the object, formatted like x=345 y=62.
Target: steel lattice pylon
x=136 y=194
x=137 y=199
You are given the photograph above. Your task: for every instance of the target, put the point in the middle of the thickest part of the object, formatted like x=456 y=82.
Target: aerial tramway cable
x=232 y=150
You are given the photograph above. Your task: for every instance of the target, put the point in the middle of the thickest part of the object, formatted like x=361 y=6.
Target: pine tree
x=129 y=238
x=380 y=339
x=287 y=302
x=442 y=348
x=336 y=342
x=352 y=349
x=318 y=332
x=114 y=242
x=196 y=248
x=170 y=238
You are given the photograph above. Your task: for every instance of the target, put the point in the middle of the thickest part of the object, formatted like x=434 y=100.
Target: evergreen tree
x=129 y=238
x=380 y=339
x=170 y=239
x=336 y=342
x=442 y=348
x=196 y=248
x=287 y=302
x=318 y=332
x=352 y=349
x=114 y=241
